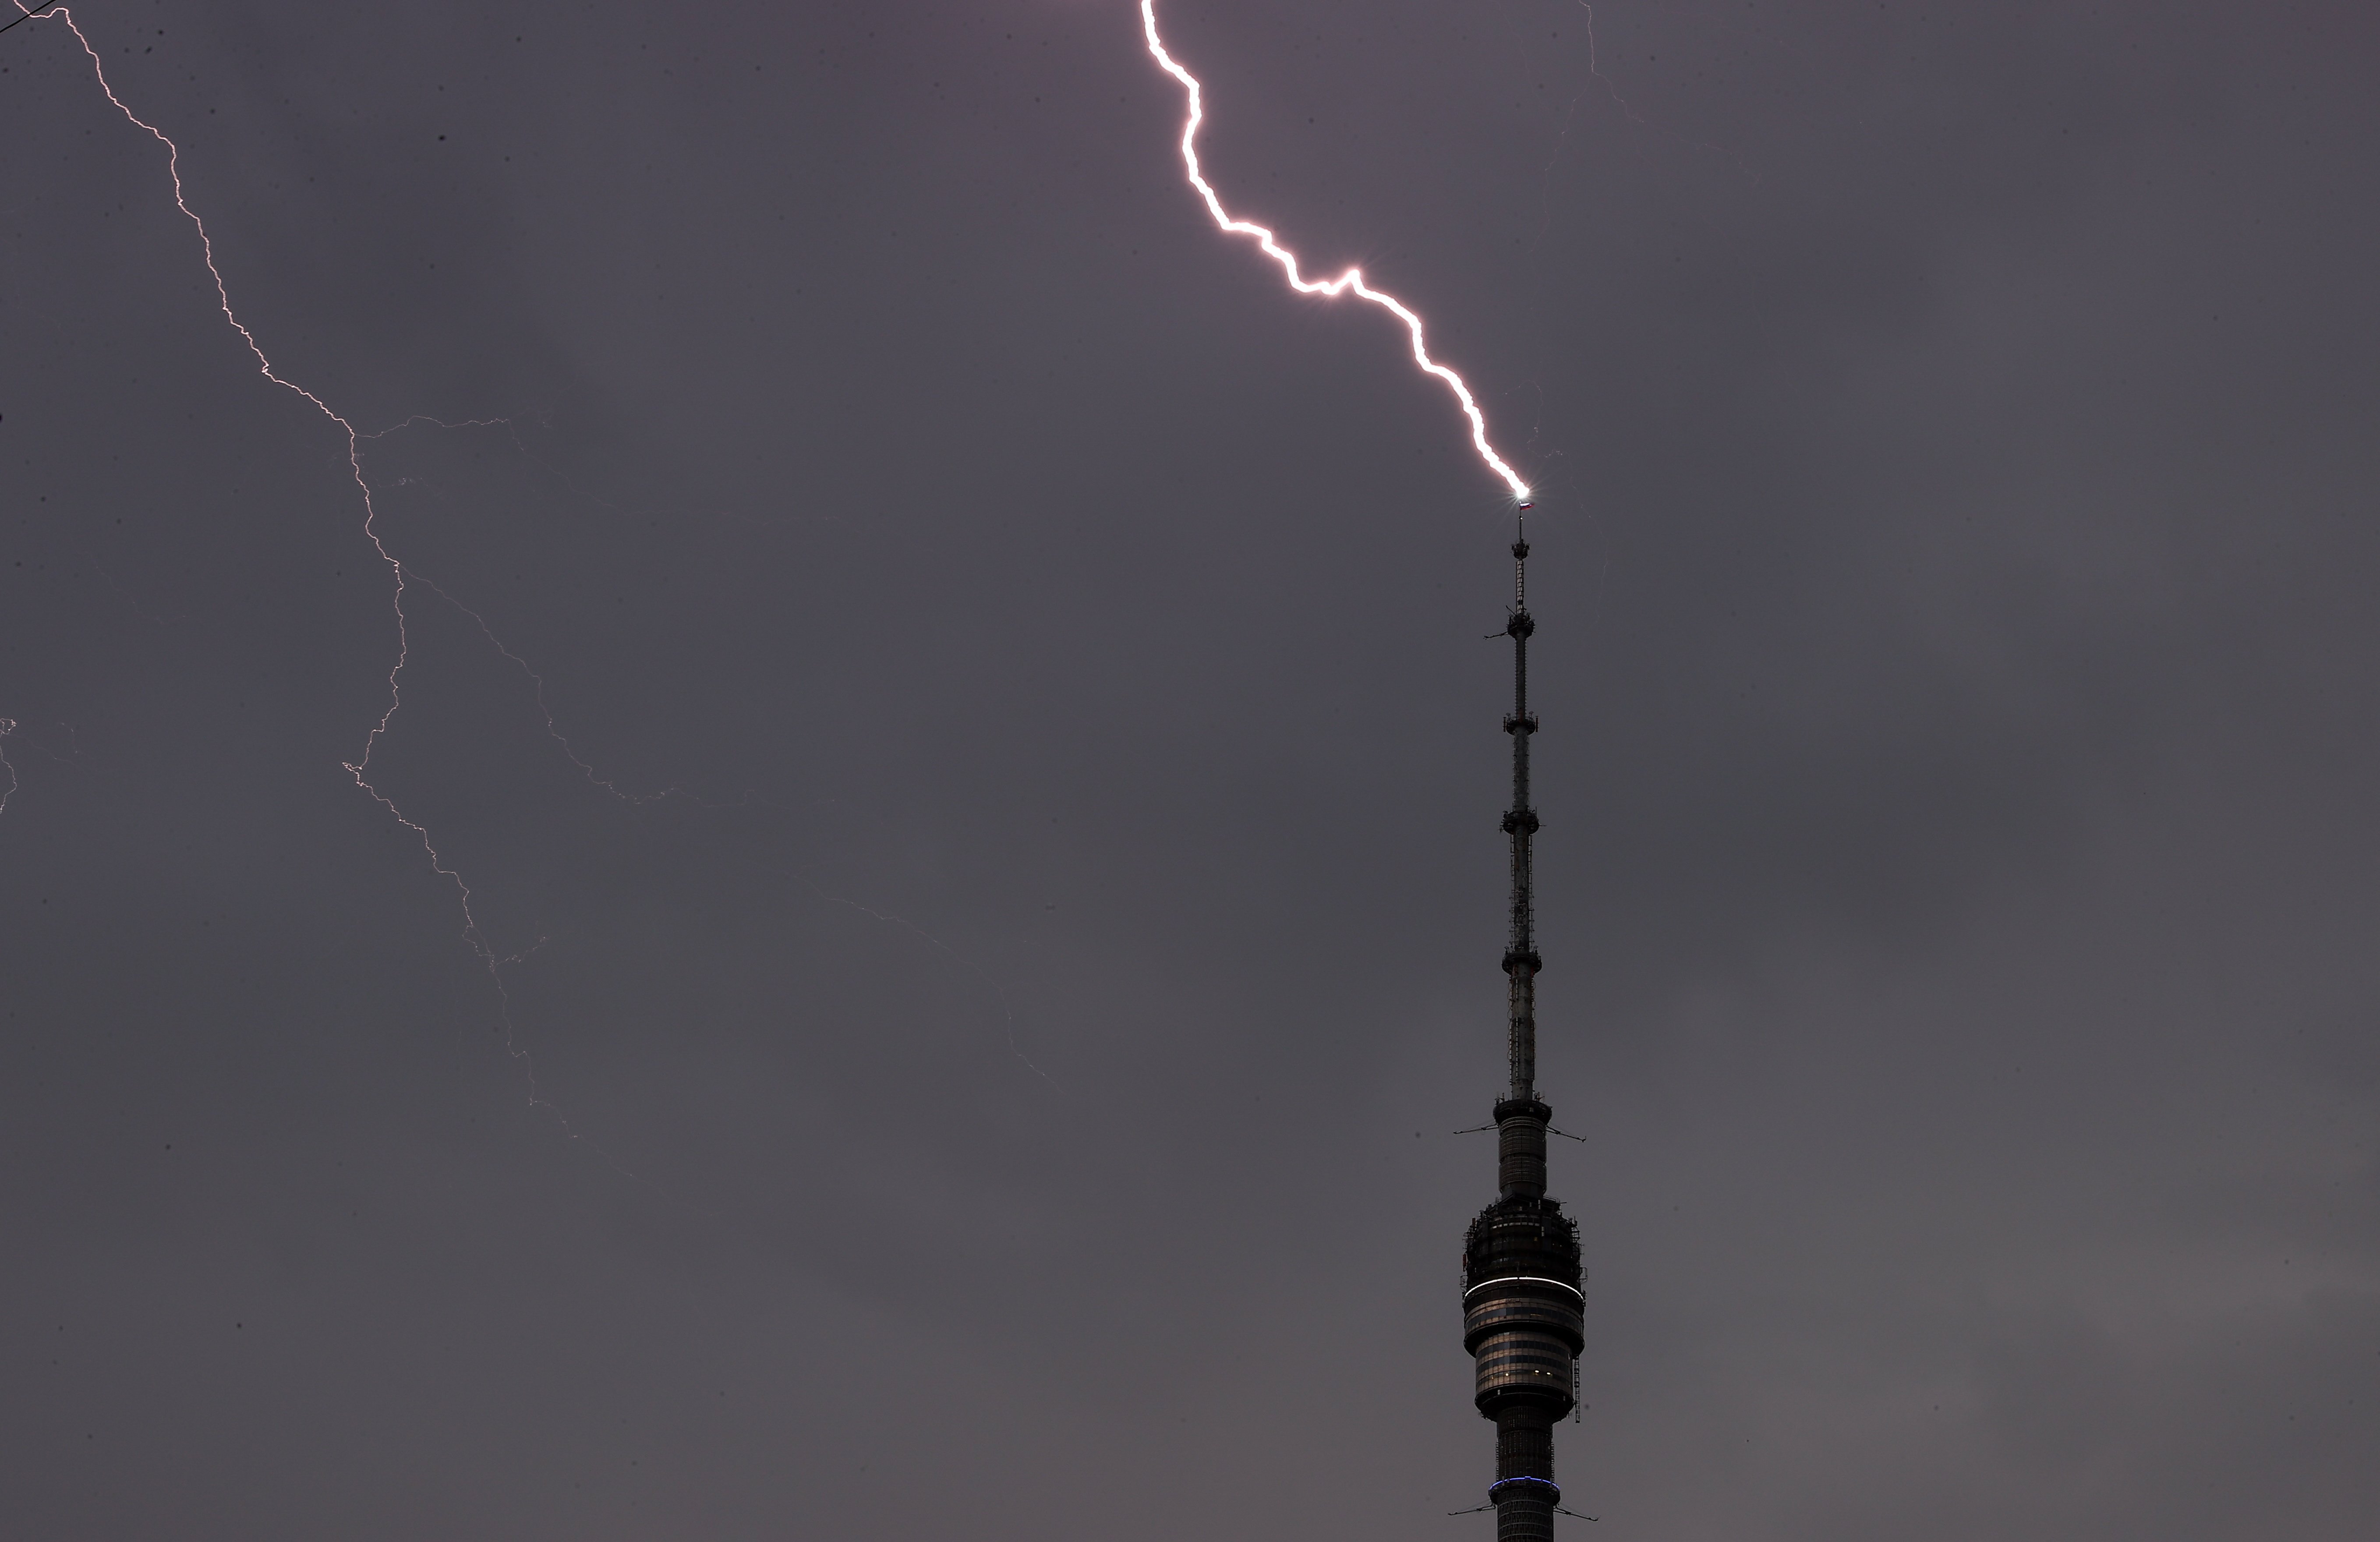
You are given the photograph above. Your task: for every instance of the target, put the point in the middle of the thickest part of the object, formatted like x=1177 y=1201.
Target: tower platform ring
x=1526 y=1280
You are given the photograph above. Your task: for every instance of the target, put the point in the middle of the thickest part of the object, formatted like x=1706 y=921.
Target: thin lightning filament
x=1352 y=280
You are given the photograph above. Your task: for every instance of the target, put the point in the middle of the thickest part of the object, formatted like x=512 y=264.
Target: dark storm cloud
x=990 y=1067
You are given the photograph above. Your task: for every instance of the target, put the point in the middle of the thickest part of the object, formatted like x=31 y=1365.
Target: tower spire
x=1520 y=825
x=1523 y=1311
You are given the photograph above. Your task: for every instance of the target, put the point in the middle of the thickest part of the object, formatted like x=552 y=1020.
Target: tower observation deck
x=1524 y=1309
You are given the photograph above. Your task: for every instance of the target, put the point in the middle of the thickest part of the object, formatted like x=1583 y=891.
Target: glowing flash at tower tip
x=1353 y=279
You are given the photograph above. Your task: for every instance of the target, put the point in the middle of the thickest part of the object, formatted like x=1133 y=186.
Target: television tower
x=1524 y=1313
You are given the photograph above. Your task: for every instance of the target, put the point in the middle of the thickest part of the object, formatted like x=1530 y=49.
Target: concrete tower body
x=1524 y=1309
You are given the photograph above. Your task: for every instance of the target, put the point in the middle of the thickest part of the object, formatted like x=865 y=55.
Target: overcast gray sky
x=977 y=1026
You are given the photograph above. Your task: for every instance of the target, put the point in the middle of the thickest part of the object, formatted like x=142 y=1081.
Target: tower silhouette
x=1523 y=1311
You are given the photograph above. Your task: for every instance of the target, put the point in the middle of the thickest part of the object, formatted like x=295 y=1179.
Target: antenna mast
x=1520 y=963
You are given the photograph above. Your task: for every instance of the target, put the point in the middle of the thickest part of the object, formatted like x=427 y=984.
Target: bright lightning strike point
x=1352 y=280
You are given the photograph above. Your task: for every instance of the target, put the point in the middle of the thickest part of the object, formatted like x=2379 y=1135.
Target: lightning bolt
x=1350 y=282
x=402 y=577
x=355 y=468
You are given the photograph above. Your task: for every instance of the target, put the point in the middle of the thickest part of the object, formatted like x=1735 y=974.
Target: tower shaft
x=1524 y=1310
